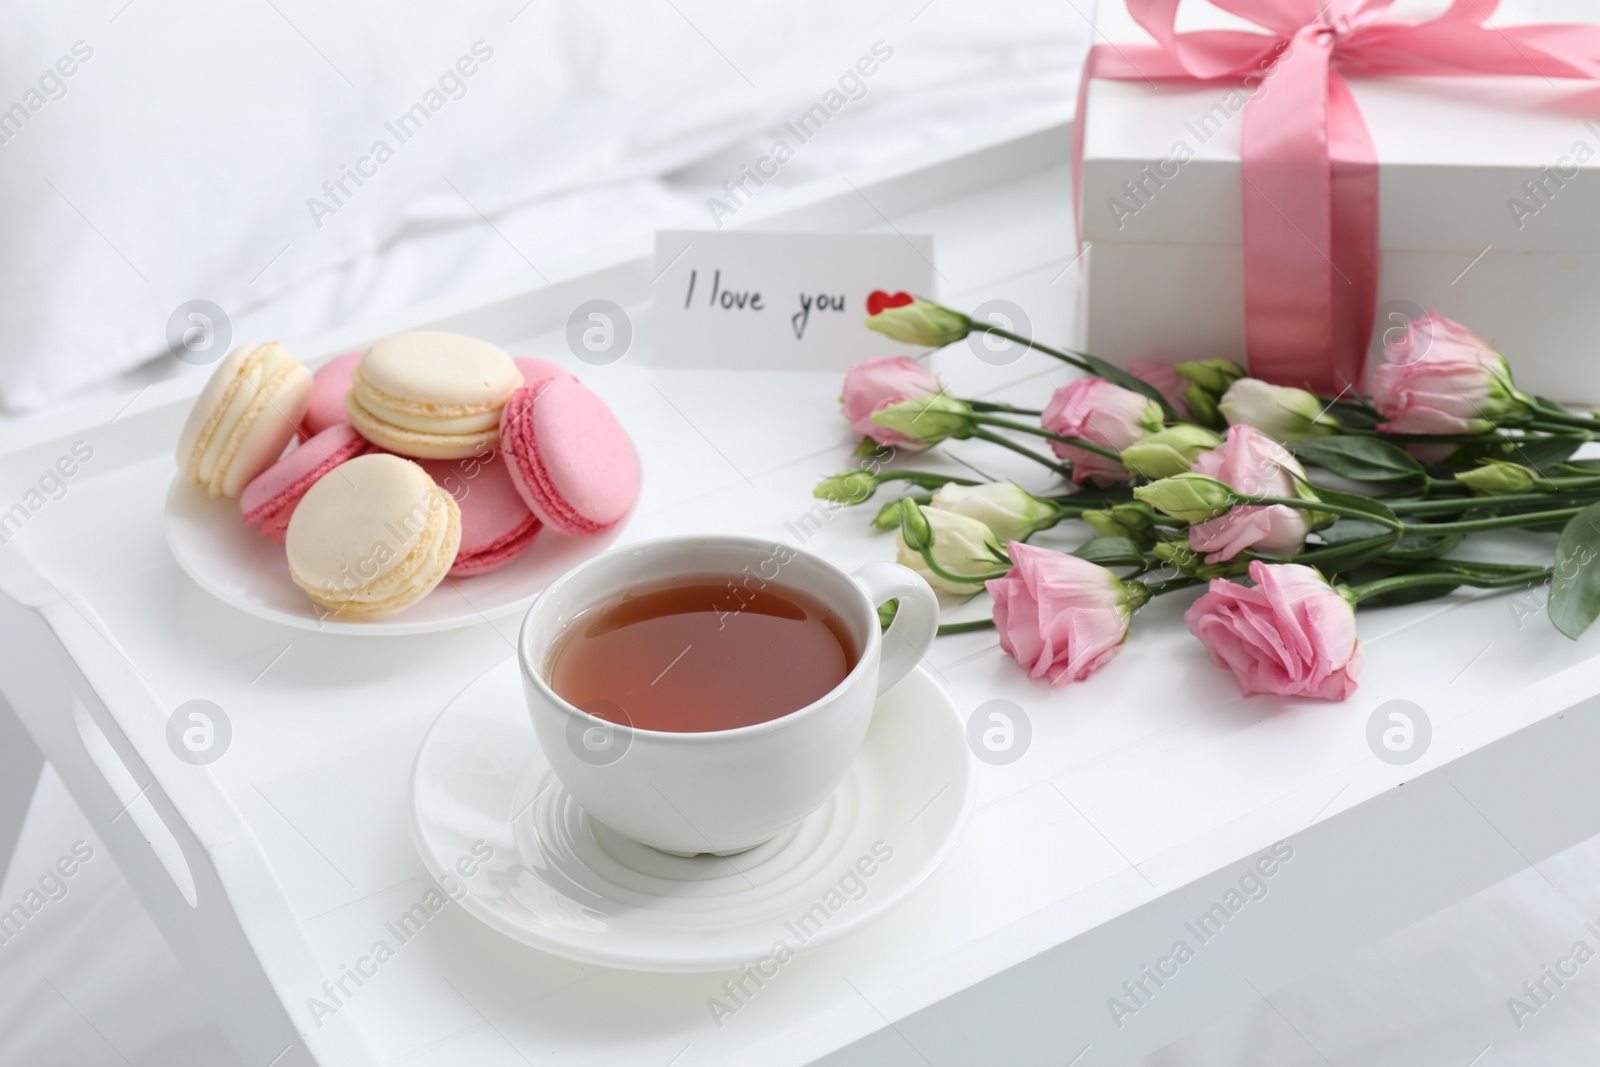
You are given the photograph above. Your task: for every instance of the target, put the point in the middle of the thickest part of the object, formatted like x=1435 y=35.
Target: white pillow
x=208 y=150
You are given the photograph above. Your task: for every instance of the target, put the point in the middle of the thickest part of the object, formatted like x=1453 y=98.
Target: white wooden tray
x=1143 y=794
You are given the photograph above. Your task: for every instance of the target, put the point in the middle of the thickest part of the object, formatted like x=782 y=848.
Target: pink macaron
x=496 y=526
x=568 y=456
x=271 y=497
x=328 y=385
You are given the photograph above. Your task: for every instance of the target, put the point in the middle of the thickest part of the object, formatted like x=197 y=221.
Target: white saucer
x=233 y=562
x=563 y=883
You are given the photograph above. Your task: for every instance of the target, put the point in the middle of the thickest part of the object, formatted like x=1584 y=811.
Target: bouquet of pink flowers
x=1197 y=474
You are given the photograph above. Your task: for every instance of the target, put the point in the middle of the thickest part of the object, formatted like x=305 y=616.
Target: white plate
x=233 y=562
x=506 y=840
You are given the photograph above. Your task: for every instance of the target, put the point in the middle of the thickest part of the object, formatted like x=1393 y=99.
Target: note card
x=779 y=301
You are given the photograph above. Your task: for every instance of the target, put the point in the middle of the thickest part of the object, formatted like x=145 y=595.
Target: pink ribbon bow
x=1309 y=168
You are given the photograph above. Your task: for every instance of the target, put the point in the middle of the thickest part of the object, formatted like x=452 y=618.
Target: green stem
x=1561 y=429
x=965 y=627
x=1412 y=581
x=1564 y=418
x=1139 y=593
x=1320 y=505
x=1038 y=431
x=961 y=579
x=1010 y=409
x=1429 y=438
x=1436 y=507
x=1028 y=342
x=1071 y=508
x=1172 y=585
x=1444 y=486
x=923 y=479
x=1492 y=437
x=1473 y=567
x=1317 y=555
x=1498 y=522
x=995 y=439
x=1091 y=365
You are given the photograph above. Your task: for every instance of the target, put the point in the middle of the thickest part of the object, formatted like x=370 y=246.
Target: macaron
x=269 y=500
x=568 y=456
x=244 y=417
x=373 y=539
x=329 y=383
x=431 y=395
x=496 y=526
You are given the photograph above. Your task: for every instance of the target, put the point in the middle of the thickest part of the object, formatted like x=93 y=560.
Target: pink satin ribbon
x=1309 y=170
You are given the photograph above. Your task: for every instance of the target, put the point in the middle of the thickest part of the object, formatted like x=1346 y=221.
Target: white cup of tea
x=689 y=789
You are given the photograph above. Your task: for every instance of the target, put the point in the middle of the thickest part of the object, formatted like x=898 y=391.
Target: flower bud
x=1203 y=406
x=1496 y=477
x=1282 y=413
x=1168 y=452
x=1214 y=376
x=926 y=419
x=1135 y=521
x=1009 y=510
x=960 y=545
x=847 y=487
x=888 y=517
x=921 y=323
x=1187 y=497
x=916 y=532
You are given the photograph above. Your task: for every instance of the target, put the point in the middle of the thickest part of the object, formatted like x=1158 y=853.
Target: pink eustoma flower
x=1254 y=464
x=1290 y=634
x=1094 y=410
x=1059 y=616
x=874 y=384
x=1441 y=378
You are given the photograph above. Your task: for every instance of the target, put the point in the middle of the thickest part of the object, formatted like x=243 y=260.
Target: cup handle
x=916 y=622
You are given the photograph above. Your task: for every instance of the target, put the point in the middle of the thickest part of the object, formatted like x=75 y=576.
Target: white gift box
x=1489 y=210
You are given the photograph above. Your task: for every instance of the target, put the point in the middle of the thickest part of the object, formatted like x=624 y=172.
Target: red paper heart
x=878 y=300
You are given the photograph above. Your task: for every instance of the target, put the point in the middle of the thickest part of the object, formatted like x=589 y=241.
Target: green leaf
x=1422 y=546
x=1412 y=595
x=1379 y=511
x=1361 y=459
x=1355 y=416
x=1117 y=376
x=1343 y=530
x=1575 y=585
x=1544 y=403
x=1342 y=557
x=1111 y=552
x=1543 y=454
